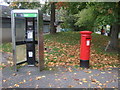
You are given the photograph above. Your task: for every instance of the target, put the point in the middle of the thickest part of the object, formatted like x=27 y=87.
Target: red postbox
x=85 y=48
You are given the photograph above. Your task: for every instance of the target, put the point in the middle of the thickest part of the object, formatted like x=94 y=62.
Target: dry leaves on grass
x=68 y=55
x=65 y=54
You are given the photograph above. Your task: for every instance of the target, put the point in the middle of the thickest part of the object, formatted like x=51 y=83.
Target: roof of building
x=6 y=13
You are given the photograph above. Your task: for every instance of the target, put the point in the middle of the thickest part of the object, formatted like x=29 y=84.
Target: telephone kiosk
x=33 y=35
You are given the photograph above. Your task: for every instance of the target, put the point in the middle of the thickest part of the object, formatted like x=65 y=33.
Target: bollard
x=85 y=48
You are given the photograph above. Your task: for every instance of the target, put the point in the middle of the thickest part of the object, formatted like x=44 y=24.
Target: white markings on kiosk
x=30 y=35
x=30 y=23
x=30 y=54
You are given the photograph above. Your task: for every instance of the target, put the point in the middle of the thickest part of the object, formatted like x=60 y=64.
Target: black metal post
x=30 y=41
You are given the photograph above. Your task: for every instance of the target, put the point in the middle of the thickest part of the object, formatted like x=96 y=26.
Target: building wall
x=7 y=33
x=20 y=29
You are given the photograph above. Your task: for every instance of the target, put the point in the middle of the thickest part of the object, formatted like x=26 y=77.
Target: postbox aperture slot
x=88 y=38
x=88 y=41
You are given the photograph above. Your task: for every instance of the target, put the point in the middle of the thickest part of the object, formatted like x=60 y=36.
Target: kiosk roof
x=25 y=11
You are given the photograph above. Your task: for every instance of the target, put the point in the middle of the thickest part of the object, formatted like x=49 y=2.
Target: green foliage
x=25 y=5
x=86 y=18
x=69 y=22
x=46 y=8
x=107 y=13
x=75 y=7
x=69 y=18
x=88 y=15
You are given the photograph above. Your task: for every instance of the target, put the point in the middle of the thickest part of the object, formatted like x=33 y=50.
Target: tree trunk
x=109 y=34
x=52 y=19
x=114 y=37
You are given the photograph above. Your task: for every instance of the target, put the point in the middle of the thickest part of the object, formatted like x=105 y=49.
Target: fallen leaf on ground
x=16 y=85
x=88 y=71
x=107 y=81
x=10 y=87
x=109 y=72
x=56 y=74
x=75 y=73
x=58 y=87
x=38 y=78
x=97 y=81
x=80 y=83
x=93 y=80
x=76 y=79
x=24 y=81
x=21 y=82
x=102 y=77
x=63 y=72
x=70 y=86
x=97 y=74
x=103 y=72
x=70 y=69
x=57 y=79
x=37 y=86
x=4 y=80
x=65 y=78
x=43 y=76
x=30 y=79
x=99 y=86
x=50 y=85
x=14 y=74
x=29 y=72
x=85 y=81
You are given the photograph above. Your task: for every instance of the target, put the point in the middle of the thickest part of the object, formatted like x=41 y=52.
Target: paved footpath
x=30 y=77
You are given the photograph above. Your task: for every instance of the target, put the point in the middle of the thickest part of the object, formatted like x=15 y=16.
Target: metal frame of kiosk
x=30 y=16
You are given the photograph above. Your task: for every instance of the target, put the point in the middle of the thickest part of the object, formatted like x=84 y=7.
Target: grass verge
x=63 y=49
